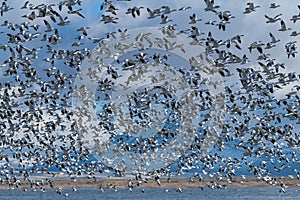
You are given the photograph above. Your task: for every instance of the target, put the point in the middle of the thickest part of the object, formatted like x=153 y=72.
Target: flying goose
x=273 y=19
x=283 y=26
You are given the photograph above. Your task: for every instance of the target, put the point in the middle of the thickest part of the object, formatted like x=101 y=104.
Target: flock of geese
x=184 y=118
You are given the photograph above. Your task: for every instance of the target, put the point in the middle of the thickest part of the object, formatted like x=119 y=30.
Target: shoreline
x=116 y=182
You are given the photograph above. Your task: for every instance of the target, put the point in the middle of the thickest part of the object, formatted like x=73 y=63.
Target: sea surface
x=232 y=193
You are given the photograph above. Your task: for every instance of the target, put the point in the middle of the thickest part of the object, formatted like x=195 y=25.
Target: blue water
x=231 y=193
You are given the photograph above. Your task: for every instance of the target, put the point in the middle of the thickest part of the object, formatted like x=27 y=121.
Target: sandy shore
x=182 y=183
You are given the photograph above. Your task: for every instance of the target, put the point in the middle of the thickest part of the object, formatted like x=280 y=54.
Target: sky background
x=253 y=26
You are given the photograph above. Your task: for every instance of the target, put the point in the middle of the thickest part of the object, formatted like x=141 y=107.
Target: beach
x=121 y=182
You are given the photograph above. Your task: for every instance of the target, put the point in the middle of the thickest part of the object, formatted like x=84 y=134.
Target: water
x=231 y=193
